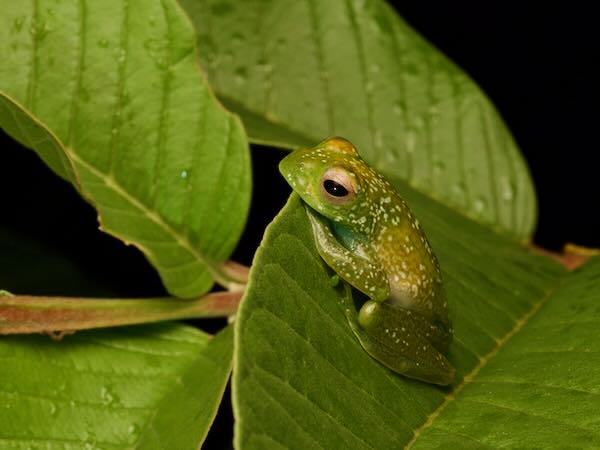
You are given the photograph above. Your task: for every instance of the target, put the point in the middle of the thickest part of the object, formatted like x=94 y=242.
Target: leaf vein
x=120 y=87
x=323 y=74
x=470 y=377
x=273 y=377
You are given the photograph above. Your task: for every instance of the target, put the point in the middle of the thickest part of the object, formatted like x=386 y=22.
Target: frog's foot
x=393 y=337
x=334 y=280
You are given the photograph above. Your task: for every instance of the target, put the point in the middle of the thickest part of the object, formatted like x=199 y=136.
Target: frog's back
x=412 y=268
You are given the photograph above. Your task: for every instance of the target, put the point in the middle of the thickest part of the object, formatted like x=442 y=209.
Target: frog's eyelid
x=341 y=177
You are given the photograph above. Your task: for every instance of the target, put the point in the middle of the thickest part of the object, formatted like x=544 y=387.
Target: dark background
x=536 y=64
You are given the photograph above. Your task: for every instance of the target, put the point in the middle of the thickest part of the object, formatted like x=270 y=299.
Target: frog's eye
x=337 y=186
x=334 y=188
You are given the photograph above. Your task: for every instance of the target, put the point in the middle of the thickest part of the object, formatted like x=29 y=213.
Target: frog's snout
x=284 y=166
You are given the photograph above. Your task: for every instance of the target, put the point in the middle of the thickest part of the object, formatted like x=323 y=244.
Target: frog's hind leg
x=391 y=339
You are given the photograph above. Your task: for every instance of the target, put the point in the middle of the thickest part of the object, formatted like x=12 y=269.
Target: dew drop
x=39 y=30
x=264 y=66
x=90 y=440
x=459 y=192
x=419 y=122
x=122 y=55
x=508 y=191
x=18 y=23
x=106 y=396
x=153 y=45
x=459 y=189
x=398 y=108
x=378 y=138
x=53 y=409
x=240 y=75
x=237 y=38
x=411 y=140
x=434 y=110
x=125 y=97
x=479 y=204
x=183 y=174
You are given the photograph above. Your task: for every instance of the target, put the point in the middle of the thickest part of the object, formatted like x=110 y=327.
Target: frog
x=367 y=235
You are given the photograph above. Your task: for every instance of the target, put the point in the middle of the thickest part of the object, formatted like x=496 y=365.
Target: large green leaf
x=151 y=387
x=110 y=95
x=541 y=388
x=297 y=72
x=525 y=349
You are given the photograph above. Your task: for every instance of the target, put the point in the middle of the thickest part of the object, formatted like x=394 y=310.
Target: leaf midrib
x=500 y=343
x=113 y=184
x=183 y=241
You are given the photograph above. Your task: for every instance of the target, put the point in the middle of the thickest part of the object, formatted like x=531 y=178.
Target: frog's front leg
x=357 y=270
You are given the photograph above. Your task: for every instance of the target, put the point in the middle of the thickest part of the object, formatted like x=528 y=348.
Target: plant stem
x=233 y=276
x=20 y=314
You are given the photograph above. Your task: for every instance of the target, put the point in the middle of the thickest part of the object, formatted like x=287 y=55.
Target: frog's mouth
x=314 y=214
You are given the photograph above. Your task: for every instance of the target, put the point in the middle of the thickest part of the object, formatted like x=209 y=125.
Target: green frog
x=369 y=237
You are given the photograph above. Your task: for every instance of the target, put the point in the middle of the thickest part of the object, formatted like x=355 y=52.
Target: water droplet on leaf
x=240 y=75
x=18 y=23
x=438 y=167
x=479 y=204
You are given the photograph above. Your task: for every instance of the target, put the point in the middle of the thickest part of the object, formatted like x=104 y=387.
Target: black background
x=535 y=63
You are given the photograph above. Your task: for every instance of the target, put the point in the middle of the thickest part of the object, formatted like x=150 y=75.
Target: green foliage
x=110 y=95
x=297 y=72
x=154 y=386
x=114 y=102
x=524 y=349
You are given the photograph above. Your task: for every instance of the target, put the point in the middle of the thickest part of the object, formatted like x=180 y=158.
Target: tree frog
x=368 y=236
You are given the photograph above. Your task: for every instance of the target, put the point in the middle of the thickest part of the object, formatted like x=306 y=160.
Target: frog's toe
x=369 y=315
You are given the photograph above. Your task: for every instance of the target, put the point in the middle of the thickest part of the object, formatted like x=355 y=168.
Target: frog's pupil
x=334 y=188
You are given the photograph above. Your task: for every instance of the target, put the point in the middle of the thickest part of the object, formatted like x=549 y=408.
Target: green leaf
x=525 y=349
x=113 y=100
x=297 y=72
x=142 y=387
x=541 y=388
